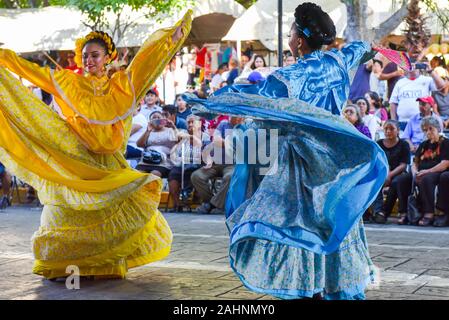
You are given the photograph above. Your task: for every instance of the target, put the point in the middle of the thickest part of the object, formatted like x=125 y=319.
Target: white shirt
x=142 y=121
x=146 y=111
x=216 y=81
x=406 y=92
x=373 y=123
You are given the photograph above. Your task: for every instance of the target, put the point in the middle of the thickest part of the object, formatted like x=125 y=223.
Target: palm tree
x=417 y=35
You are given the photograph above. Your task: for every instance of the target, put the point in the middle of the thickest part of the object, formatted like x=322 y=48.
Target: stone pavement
x=414 y=264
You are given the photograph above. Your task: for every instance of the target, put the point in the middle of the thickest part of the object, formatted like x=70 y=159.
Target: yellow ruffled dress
x=99 y=214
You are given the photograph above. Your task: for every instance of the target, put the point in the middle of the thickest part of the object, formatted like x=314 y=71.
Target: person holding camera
x=157 y=141
x=414 y=85
x=186 y=157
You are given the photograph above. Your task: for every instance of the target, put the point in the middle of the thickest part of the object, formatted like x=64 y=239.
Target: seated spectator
x=6 y=187
x=442 y=101
x=183 y=109
x=213 y=124
x=217 y=79
x=200 y=178
x=403 y=101
x=158 y=139
x=439 y=66
x=188 y=150
x=373 y=123
x=170 y=112
x=71 y=64
x=398 y=155
x=352 y=113
x=289 y=59
x=376 y=106
x=233 y=71
x=413 y=133
x=256 y=62
x=430 y=169
x=139 y=126
x=151 y=103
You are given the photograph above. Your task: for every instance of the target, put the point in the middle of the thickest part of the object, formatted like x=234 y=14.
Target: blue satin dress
x=299 y=232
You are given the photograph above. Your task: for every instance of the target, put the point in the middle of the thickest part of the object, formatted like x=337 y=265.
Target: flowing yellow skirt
x=99 y=214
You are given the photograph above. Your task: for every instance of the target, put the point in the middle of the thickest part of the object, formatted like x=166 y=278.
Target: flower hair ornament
x=81 y=42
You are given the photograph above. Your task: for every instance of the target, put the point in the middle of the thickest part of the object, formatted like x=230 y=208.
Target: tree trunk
x=357 y=29
x=9 y=4
x=356 y=11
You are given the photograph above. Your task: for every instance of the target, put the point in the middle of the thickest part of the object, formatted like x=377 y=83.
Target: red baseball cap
x=428 y=100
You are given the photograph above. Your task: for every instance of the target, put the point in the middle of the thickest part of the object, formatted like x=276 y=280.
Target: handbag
x=151 y=157
x=413 y=207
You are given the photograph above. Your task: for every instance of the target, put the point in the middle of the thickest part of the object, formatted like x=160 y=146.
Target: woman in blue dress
x=297 y=232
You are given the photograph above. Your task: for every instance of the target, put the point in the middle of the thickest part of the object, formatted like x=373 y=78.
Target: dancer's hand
x=178 y=32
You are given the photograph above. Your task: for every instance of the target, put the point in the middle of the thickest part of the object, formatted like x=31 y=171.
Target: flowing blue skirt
x=298 y=232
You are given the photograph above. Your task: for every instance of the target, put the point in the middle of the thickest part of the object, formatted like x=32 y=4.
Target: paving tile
x=432 y=291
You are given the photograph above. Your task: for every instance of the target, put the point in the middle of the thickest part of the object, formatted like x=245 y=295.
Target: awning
x=57 y=28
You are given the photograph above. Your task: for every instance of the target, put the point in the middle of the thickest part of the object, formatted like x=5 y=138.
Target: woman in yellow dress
x=99 y=214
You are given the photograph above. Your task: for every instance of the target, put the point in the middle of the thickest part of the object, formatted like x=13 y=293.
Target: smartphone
x=421 y=66
x=159 y=122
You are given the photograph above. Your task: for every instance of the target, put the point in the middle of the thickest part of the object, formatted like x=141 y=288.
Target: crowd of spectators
x=406 y=112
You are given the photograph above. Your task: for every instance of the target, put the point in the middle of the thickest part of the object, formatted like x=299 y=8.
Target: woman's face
x=71 y=59
x=391 y=131
x=293 y=40
x=157 y=121
x=258 y=63
x=362 y=105
x=368 y=97
x=94 y=59
x=290 y=60
x=432 y=133
x=193 y=125
x=350 y=114
x=434 y=63
x=181 y=104
x=150 y=99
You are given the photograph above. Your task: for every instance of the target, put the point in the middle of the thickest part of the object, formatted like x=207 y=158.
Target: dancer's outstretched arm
x=354 y=52
x=155 y=53
x=39 y=76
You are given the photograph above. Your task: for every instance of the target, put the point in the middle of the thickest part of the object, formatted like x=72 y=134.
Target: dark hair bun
x=322 y=28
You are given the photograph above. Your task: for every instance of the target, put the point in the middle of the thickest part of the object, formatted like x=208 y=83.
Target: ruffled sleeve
x=272 y=87
x=39 y=76
x=354 y=52
x=154 y=55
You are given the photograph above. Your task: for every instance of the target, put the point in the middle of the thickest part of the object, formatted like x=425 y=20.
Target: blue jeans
x=133 y=153
x=2 y=168
x=402 y=125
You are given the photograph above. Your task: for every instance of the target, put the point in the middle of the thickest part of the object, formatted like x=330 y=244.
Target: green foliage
x=247 y=3
x=442 y=14
x=22 y=4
